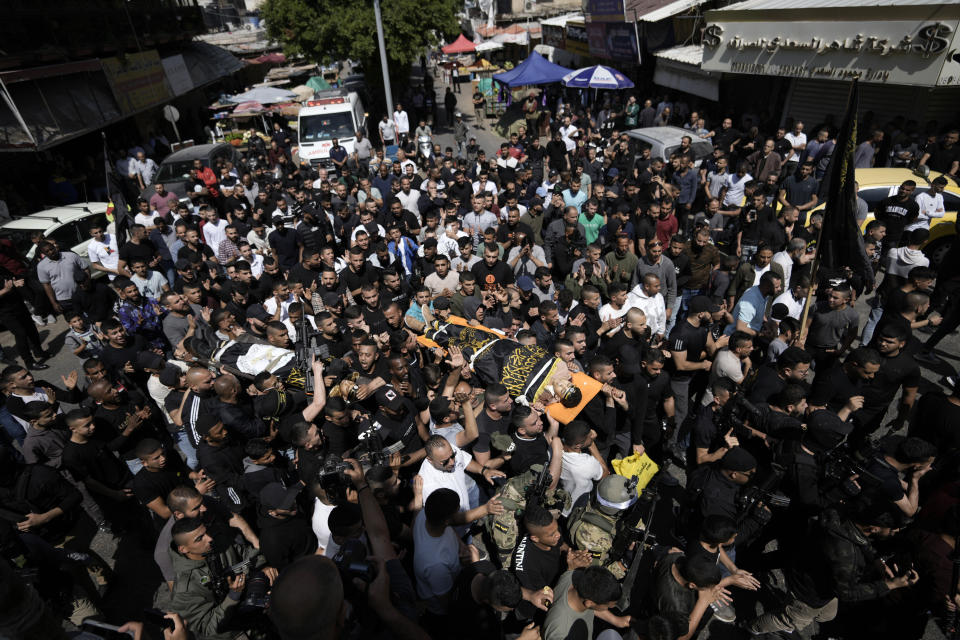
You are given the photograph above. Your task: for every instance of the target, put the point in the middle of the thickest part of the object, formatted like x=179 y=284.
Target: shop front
x=905 y=55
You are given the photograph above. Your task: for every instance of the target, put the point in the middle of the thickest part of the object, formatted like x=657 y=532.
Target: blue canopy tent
x=534 y=70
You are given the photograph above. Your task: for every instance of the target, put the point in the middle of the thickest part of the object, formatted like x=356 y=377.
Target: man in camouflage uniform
x=504 y=529
x=593 y=525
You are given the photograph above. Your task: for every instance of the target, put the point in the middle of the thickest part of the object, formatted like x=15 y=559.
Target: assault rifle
x=633 y=527
x=306 y=349
x=536 y=491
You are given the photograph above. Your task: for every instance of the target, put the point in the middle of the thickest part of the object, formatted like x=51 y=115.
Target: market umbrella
x=264 y=95
x=598 y=77
x=250 y=107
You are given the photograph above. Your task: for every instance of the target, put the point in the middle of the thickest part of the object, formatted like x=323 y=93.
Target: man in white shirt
x=798 y=142
x=144 y=169
x=732 y=191
x=646 y=296
x=617 y=307
x=484 y=184
x=402 y=122
x=796 y=251
x=102 y=252
x=409 y=197
x=255 y=259
x=445 y=467
x=566 y=134
x=582 y=463
x=930 y=203
x=215 y=229
x=794 y=298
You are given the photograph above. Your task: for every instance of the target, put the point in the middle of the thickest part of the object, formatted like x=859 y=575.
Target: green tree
x=323 y=30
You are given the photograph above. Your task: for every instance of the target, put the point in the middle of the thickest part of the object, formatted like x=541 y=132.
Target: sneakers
x=36 y=366
x=51 y=319
x=40 y=322
x=723 y=612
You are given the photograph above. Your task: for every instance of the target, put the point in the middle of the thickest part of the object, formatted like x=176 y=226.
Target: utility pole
x=383 y=59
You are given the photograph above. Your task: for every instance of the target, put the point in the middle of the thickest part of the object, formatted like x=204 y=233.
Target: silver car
x=664 y=141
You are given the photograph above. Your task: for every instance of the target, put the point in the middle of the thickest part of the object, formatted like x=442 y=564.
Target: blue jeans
x=187 y=449
x=685 y=296
x=872 y=321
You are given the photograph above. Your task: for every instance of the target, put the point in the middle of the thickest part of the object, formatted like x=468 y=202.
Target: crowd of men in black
x=279 y=513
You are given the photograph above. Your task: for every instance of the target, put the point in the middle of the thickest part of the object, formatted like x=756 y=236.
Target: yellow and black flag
x=841 y=243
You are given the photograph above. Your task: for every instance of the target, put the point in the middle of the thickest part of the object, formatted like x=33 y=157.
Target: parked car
x=174 y=171
x=877 y=184
x=663 y=141
x=68 y=226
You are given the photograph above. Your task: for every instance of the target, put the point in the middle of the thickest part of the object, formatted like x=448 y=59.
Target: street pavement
x=137 y=584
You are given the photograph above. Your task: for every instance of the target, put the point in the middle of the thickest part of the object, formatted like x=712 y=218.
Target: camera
x=332 y=475
x=738 y=412
x=352 y=562
x=257 y=591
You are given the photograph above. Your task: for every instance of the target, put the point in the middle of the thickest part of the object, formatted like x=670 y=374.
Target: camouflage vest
x=504 y=529
x=592 y=530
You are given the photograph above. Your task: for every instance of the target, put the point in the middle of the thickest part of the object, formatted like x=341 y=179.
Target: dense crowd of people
x=426 y=396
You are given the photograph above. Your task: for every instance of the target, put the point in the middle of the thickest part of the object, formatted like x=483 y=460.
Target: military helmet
x=615 y=493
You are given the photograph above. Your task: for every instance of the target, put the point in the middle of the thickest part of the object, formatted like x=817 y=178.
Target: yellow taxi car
x=880 y=183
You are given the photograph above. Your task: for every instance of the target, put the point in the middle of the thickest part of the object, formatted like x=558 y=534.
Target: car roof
x=894 y=176
x=666 y=135
x=192 y=153
x=56 y=215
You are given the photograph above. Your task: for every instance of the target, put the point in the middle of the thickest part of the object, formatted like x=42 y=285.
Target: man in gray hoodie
x=661 y=266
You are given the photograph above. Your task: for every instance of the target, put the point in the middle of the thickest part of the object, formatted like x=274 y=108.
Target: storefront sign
x=577 y=41
x=137 y=80
x=603 y=10
x=613 y=41
x=893 y=52
x=178 y=77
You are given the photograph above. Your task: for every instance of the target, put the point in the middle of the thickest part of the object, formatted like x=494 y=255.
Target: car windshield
x=326 y=127
x=174 y=171
x=700 y=150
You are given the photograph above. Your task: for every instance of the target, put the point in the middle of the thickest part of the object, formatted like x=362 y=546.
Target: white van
x=336 y=113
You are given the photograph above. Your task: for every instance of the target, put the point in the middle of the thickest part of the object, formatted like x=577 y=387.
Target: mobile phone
x=157 y=617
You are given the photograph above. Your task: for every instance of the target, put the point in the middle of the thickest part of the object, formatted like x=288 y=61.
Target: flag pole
x=811 y=288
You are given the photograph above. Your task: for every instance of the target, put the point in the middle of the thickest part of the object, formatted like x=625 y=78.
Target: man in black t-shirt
x=492 y=271
x=159 y=475
x=944 y=156
x=840 y=388
x=495 y=417
x=539 y=557
x=137 y=247
x=691 y=345
x=896 y=212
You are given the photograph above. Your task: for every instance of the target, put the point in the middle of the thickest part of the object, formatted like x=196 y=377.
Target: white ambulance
x=336 y=113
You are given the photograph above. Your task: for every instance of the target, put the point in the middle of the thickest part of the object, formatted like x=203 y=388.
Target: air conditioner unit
x=529 y=6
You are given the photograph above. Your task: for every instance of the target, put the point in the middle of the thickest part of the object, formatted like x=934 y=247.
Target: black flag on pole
x=118 y=203
x=841 y=243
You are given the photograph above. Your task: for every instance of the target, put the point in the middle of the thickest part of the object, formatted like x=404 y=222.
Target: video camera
x=257 y=587
x=841 y=464
x=737 y=412
x=763 y=492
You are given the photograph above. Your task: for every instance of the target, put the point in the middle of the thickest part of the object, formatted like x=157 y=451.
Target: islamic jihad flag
x=841 y=243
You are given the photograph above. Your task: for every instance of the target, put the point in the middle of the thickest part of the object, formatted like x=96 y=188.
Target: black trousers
x=17 y=320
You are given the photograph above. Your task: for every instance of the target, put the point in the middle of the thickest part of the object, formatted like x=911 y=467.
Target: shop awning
x=679 y=68
x=653 y=11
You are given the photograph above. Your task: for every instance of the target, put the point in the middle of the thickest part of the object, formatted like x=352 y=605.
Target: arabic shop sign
x=892 y=52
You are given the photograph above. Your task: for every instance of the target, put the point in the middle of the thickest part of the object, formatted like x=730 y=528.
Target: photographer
x=308 y=601
x=717 y=488
x=206 y=591
x=712 y=436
